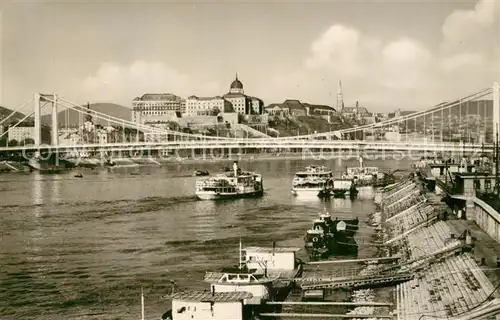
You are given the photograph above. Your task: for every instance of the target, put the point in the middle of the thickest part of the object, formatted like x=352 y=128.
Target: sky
x=388 y=54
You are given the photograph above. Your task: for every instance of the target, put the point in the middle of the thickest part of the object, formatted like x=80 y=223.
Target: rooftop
x=319 y=107
x=205 y=98
x=207 y=296
x=271 y=249
x=158 y=97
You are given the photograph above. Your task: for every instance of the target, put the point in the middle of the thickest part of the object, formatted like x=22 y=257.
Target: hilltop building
x=207 y=106
x=242 y=103
x=297 y=108
x=156 y=107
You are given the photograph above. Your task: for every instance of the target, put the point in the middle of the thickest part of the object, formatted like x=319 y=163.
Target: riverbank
x=152 y=161
x=446 y=278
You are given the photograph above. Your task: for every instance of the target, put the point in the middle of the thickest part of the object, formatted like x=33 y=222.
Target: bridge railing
x=271 y=143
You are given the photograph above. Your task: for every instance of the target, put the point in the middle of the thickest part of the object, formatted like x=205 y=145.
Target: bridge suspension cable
x=102 y=116
x=14 y=111
x=18 y=123
x=134 y=125
x=439 y=107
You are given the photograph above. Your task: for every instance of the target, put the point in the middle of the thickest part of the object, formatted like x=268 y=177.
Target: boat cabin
x=315 y=171
x=209 y=305
x=270 y=259
x=258 y=285
x=362 y=172
x=342 y=184
x=314 y=238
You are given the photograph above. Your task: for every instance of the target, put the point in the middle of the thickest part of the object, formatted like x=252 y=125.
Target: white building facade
x=156 y=107
x=21 y=133
x=207 y=106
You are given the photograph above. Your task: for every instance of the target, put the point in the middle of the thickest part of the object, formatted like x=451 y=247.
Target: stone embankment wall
x=448 y=282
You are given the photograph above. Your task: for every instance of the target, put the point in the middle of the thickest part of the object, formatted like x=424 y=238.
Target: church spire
x=340 y=98
x=236 y=75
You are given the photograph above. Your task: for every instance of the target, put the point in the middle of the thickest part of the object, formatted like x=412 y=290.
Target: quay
x=440 y=259
x=454 y=256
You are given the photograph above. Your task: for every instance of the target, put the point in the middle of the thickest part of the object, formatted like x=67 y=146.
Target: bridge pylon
x=496 y=109
x=38 y=100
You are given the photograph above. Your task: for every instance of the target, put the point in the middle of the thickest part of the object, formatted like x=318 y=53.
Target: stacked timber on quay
x=448 y=282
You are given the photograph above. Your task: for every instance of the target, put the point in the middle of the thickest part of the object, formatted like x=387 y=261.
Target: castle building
x=207 y=106
x=242 y=103
x=156 y=107
x=234 y=101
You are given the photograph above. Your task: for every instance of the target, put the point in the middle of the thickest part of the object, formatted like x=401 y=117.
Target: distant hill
x=5 y=112
x=72 y=117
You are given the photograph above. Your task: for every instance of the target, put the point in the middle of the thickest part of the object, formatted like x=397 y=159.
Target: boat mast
x=240 y=255
x=142 y=303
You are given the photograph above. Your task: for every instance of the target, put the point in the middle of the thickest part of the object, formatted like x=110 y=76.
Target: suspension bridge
x=467 y=124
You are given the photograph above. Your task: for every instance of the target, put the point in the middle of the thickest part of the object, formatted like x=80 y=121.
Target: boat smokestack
x=235 y=168
x=213 y=291
x=142 y=303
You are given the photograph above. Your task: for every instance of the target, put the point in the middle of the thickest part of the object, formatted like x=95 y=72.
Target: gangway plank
x=331 y=303
x=325 y=315
x=355 y=260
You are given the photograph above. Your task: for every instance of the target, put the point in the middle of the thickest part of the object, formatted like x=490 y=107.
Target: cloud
x=402 y=71
x=113 y=80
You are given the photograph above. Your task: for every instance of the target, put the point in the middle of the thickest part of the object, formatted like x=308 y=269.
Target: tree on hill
x=215 y=111
x=27 y=142
x=13 y=143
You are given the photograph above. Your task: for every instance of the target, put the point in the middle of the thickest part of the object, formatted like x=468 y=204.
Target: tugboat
x=235 y=184
x=332 y=237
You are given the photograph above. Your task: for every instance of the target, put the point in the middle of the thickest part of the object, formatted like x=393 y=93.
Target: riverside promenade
x=456 y=274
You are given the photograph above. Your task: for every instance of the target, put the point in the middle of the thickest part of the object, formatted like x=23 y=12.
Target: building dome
x=236 y=84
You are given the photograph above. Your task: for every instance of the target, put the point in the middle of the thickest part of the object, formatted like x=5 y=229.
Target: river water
x=82 y=248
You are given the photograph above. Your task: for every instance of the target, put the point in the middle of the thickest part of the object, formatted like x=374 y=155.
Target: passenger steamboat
x=314 y=181
x=361 y=175
x=231 y=184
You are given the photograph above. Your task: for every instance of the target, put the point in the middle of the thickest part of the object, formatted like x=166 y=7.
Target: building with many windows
x=21 y=133
x=207 y=106
x=156 y=107
x=242 y=103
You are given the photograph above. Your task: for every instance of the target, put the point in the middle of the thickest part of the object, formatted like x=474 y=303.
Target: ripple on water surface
x=82 y=248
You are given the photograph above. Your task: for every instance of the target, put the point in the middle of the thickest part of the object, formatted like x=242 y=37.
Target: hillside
x=301 y=125
x=72 y=116
x=5 y=112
